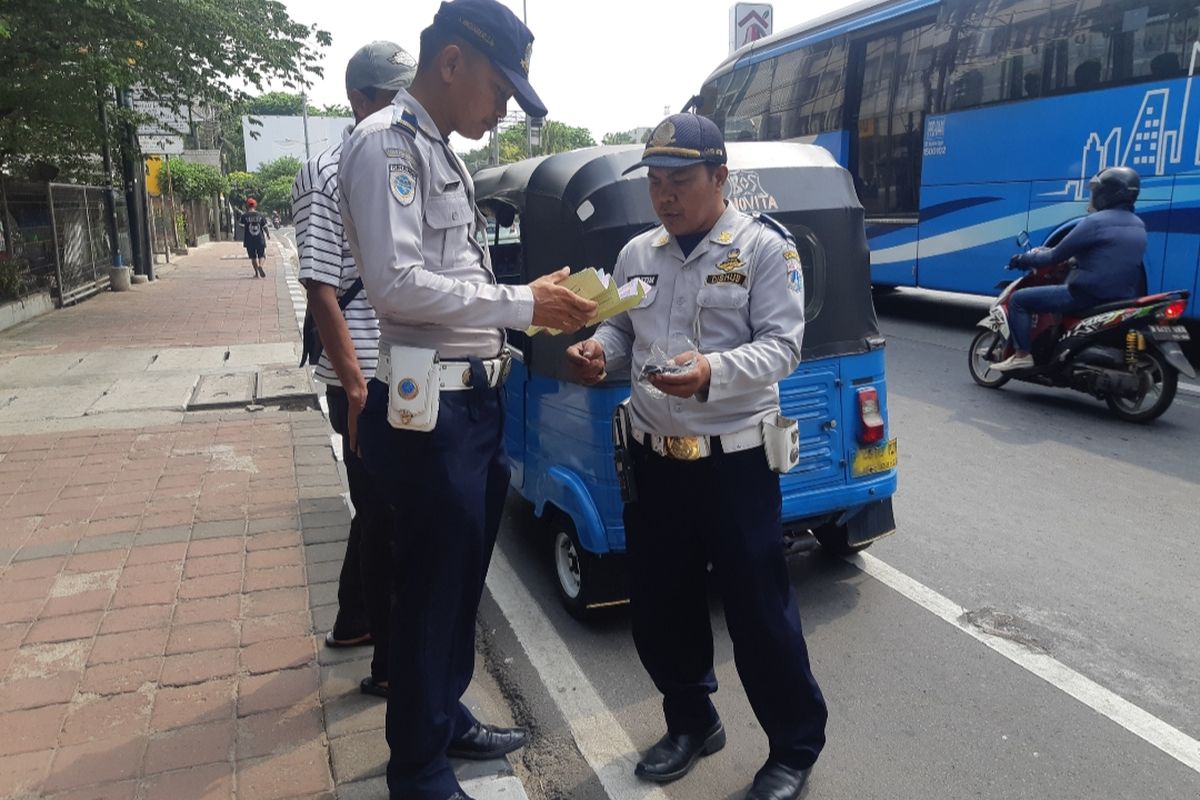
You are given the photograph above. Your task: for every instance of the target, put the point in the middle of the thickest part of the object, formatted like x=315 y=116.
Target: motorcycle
x=1126 y=353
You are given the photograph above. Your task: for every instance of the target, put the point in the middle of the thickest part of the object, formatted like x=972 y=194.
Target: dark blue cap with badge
x=682 y=140
x=498 y=34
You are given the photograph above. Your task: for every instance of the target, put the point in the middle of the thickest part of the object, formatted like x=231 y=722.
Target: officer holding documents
x=431 y=433
x=732 y=284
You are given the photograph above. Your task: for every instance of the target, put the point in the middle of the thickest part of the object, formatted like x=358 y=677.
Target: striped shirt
x=325 y=256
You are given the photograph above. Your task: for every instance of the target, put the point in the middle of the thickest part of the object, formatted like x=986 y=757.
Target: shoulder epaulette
x=405 y=121
x=773 y=224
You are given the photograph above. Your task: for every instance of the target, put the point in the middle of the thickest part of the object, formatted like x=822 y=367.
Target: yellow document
x=599 y=286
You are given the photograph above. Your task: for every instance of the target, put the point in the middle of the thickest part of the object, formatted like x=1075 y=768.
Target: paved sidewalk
x=160 y=575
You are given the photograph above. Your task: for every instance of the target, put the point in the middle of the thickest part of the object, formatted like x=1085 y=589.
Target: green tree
x=243 y=185
x=334 y=110
x=558 y=137
x=514 y=145
x=283 y=167
x=282 y=104
x=277 y=194
x=618 y=138
x=59 y=56
x=195 y=181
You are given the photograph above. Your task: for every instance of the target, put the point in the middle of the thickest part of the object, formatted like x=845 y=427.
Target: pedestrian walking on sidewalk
x=255 y=232
x=431 y=433
x=734 y=283
x=349 y=344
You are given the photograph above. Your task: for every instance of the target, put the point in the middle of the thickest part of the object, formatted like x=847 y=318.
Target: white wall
x=284 y=136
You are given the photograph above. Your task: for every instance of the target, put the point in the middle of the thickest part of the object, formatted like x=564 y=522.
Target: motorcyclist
x=1108 y=246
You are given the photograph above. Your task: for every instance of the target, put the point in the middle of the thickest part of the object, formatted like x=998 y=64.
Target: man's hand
x=685 y=384
x=585 y=362
x=557 y=307
x=357 y=401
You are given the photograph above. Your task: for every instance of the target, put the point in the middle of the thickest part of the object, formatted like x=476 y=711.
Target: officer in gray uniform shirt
x=408 y=205
x=733 y=284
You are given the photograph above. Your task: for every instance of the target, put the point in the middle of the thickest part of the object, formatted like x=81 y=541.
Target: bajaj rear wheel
x=1160 y=381
x=585 y=580
x=986 y=348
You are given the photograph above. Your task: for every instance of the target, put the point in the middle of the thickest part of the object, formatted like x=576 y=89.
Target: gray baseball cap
x=380 y=65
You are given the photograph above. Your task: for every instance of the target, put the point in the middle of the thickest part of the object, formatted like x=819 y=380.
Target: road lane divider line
x=600 y=738
x=1170 y=740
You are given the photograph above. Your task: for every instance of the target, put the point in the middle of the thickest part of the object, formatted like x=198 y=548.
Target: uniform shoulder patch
x=402 y=180
x=774 y=224
x=405 y=120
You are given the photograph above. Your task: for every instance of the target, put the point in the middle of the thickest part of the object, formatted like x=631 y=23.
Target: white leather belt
x=691 y=448
x=455 y=375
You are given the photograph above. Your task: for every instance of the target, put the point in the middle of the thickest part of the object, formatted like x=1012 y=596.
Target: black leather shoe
x=776 y=781
x=484 y=742
x=673 y=756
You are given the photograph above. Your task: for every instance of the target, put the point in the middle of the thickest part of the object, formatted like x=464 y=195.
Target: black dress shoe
x=484 y=742
x=674 y=755
x=777 y=781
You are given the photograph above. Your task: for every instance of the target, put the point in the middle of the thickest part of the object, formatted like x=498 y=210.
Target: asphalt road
x=1056 y=527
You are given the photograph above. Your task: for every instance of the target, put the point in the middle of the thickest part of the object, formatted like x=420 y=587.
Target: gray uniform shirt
x=739 y=296
x=408 y=205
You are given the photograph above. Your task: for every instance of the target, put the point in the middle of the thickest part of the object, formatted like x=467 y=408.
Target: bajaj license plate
x=870 y=460
x=1168 y=333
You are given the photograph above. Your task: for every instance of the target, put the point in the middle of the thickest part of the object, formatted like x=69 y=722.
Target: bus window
x=740 y=101
x=809 y=89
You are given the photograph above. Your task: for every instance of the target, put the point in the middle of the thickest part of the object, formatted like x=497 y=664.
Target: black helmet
x=1115 y=186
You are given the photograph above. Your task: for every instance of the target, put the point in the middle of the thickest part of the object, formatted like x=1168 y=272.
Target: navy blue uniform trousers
x=723 y=510
x=364 y=588
x=449 y=487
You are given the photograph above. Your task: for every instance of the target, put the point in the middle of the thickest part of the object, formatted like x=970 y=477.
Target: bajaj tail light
x=871 y=428
x=1173 y=310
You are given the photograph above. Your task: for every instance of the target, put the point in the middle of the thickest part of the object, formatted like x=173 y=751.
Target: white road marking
x=1172 y=741
x=1189 y=388
x=600 y=738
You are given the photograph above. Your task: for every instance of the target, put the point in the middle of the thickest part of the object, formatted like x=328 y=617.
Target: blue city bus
x=965 y=122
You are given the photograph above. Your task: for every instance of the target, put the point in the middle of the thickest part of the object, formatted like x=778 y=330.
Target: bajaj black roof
x=578 y=209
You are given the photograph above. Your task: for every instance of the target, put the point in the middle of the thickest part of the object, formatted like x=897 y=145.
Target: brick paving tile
x=38 y=568
x=266 y=559
x=45 y=660
x=105 y=527
x=277 y=626
x=111 y=760
x=96 y=600
x=30 y=589
x=95 y=562
x=192 y=746
x=202 y=636
x=26 y=731
x=23 y=773
x=274 y=540
x=295 y=687
x=106 y=717
x=131 y=644
x=11 y=635
x=198 y=567
x=154 y=594
x=37 y=692
x=212 y=701
x=63 y=629
x=135 y=618
x=300 y=772
x=190 y=668
x=157 y=553
x=125 y=790
x=210 y=586
x=24 y=611
x=274 y=601
x=215 y=547
x=207 y=609
x=141 y=575
x=278 y=730
x=121 y=676
x=278 y=654
x=211 y=782
x=276 y=578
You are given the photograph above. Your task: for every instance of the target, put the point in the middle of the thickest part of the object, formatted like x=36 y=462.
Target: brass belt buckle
x=682 y=448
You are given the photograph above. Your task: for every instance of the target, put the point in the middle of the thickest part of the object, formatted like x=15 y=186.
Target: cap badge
x=401 y=58
x=663 y=135
x=525 y=60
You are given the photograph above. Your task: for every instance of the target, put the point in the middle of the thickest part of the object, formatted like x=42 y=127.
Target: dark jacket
x=1109 y=246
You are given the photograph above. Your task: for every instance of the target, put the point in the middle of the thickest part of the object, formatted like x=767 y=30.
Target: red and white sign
x=749 y=22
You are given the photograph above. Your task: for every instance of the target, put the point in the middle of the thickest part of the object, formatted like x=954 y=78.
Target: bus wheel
x=834 y=540
x=580 y=575
x=985 y=347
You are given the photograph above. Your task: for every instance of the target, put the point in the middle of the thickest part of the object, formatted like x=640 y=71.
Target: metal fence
x=61 y=231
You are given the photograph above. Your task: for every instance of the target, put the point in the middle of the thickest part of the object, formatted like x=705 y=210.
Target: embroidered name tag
x=737 y=278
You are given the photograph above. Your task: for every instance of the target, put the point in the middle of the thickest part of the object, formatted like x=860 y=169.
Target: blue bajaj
x=576 y=208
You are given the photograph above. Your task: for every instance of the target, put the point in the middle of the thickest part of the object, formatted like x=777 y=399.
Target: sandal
x=370 y=686
x=357 y=641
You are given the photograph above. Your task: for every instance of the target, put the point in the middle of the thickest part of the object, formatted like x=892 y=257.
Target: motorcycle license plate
x=871 y=460
x=1168 y=333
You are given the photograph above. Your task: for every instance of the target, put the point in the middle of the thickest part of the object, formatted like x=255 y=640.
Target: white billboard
x=284 y=136
x=749 y=22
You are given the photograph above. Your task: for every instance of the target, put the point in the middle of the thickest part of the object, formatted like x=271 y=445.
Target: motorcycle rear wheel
x=1160 y=382
x=985 y=344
